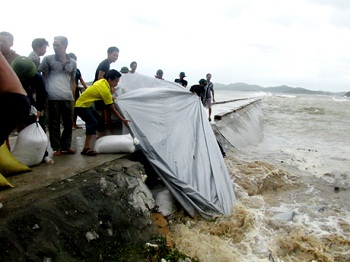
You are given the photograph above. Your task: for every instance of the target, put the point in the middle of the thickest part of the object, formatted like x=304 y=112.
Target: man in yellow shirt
x=100 y=90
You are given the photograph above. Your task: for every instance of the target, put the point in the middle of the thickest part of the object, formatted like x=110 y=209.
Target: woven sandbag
x=9 y=165
x=115 y=144
x=31 y=145
x=4 y=182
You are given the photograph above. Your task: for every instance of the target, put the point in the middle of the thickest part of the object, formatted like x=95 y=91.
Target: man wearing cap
x=34 y=84
x=181 y=79
x=199 y=89
x=159 y=74
x=124 y=70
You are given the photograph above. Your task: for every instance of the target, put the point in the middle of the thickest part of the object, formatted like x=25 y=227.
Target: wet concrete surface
x=63 y=168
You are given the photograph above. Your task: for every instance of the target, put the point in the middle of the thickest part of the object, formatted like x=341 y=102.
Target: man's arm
x=83 y=82
x=212 y=91
x=101 y=74
x=72 y=83
x=38 y=83
x=116 y=113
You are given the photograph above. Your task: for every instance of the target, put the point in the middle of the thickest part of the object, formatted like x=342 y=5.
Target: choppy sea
x=292 y=186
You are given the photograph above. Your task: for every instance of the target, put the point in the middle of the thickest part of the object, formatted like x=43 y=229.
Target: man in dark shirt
x=34 y=84
x=199 y=89
x=181 y=79
x=103 y=67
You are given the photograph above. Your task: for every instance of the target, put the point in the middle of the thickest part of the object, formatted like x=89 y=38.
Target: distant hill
x=276 y=89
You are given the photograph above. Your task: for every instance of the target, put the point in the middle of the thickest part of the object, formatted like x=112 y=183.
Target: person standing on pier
x=133 y=67
x=101 y=70
x=78 y=89
x=159 y=74
x=208 y=94
x=181 y=79
x=39 y=46
x=59 y=72
x=199 y=89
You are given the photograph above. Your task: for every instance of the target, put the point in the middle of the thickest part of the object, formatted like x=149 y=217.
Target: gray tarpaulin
x=176 y=137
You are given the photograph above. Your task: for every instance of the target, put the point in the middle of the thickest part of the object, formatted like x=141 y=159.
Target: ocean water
x=292 y=186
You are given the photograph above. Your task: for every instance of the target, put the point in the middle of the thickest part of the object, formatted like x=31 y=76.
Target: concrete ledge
x=236 y=108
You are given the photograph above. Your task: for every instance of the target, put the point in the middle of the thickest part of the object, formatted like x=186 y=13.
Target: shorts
x=93 y=121
x=207 y=102
x=14 y=111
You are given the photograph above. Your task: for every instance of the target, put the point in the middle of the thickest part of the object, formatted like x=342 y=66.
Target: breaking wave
x=269 y=223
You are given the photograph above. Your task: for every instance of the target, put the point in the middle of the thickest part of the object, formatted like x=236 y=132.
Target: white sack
x=165 y=202
x=31 y=145
x=115 y=144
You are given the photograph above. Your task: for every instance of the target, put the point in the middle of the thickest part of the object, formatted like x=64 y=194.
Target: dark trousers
x=93 y=121
x=60 y=110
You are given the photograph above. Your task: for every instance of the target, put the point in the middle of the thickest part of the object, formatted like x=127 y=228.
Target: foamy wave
x=279 y=217
x=285 y=96
x=341 y=99
x=261 y=94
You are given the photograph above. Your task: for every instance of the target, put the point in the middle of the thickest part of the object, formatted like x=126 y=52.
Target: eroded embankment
x=91 y=216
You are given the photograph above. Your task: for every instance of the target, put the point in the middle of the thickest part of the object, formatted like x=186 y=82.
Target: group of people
x=204 y=89
x=31 y=88
x=26 y=83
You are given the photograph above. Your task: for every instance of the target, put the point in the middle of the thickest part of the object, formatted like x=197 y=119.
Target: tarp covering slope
x=176 y=137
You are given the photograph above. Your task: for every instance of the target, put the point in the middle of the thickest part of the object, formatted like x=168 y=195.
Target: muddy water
x=292 y=188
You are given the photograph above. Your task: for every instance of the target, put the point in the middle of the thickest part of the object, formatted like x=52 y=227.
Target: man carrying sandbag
x=34 y=84
x=14 y=102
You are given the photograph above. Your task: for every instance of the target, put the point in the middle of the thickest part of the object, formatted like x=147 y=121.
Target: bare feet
x=48 y=160
x=58 y=152
x=68 y=151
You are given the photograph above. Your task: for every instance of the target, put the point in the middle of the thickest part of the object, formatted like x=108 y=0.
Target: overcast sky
x=300 y=43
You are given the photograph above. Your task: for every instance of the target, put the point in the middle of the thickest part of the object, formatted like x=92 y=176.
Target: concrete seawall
x=238 y=123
